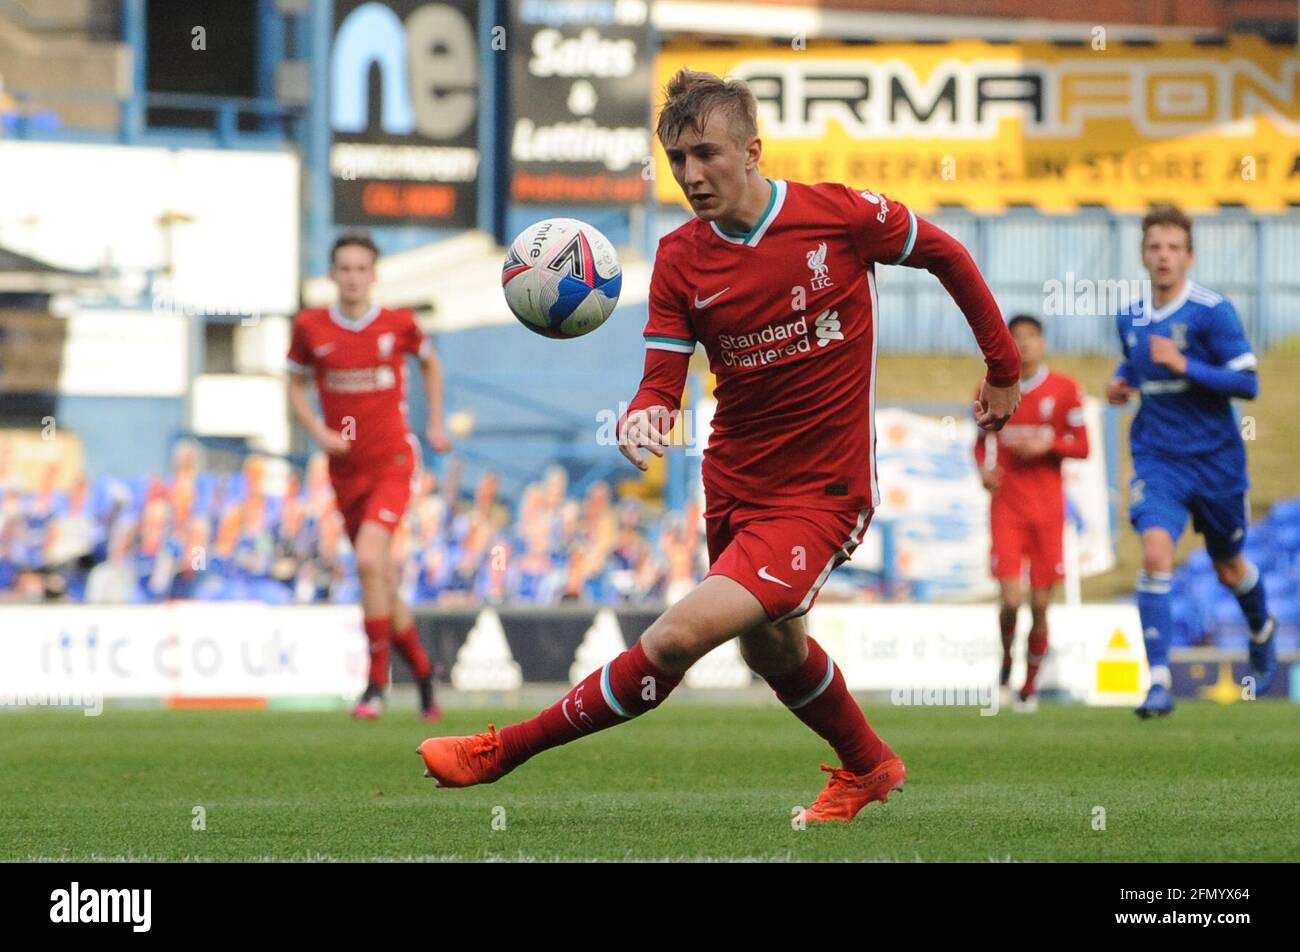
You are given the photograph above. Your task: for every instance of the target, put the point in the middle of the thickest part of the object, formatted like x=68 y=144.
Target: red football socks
x=378 y=633
x=407 y=643
x=816 y=693
x=628 y=686
x=1037 y=651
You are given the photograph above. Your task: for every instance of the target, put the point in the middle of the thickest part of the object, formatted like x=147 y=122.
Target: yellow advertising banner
x=987 y=126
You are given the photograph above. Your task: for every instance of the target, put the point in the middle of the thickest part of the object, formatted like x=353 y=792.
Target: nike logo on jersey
x=387 y=515
x=709 y=300
x=322 y=350
x=762 y=573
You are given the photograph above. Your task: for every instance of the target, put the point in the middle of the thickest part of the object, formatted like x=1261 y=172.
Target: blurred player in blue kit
x=1185 y=352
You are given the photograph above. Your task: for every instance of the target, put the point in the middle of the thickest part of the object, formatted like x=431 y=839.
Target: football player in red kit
x=777 y=280
x=1020 y=466
x=357 y=351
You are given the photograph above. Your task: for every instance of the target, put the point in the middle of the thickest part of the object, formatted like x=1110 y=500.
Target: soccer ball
x=561 y=278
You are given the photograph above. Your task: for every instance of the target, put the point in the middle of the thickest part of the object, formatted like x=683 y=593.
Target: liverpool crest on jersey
x=385 y=341
x=817 y=262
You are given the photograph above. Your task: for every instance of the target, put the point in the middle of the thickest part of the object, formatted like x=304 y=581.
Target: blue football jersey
x=1177 y=416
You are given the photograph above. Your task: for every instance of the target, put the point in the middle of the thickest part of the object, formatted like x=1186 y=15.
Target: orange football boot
x=846 y=792
x=464 y=761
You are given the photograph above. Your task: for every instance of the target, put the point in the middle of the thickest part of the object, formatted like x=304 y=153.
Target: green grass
x=688 y=781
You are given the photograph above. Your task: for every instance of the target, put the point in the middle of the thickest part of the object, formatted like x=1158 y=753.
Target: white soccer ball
x=561 y=278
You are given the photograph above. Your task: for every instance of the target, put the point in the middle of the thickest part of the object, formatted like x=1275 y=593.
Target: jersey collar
x=1039 y=376
x=360 y=323
x=774 y=203
x=1160 y=313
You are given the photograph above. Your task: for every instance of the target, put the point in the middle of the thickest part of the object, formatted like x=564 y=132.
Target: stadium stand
x=197 y=534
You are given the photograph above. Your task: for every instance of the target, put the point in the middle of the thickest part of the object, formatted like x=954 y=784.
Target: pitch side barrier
x=255 y=655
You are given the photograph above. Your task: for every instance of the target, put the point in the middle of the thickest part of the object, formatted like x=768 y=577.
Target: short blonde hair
x=692 y=95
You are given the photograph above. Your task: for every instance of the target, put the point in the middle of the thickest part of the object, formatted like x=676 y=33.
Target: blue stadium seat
x=271 y=592
x=1229 y=625
x=205 y=485
x=1187 y=622
x=139 y=487
x=1263 y=556
x=1287 y=539
x=1285 y=513
x=349 y=592
x=1279 y=585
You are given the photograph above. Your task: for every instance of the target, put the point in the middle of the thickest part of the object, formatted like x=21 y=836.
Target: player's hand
x=1166 y=353
x=991 y=478
x=437 y=437
x=995 y=405
x=640 y=431
x=1118 y=391
x=332 y=442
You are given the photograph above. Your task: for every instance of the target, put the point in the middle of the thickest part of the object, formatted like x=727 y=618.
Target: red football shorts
x=782 y=556
x=375 y=492
x=1014 y=538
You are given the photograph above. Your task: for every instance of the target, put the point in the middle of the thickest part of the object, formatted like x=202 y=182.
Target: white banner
x=243 y=650
x=182 y=650
x=1096 y=654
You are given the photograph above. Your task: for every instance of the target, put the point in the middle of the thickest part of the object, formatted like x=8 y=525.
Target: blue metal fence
x=1252 y=259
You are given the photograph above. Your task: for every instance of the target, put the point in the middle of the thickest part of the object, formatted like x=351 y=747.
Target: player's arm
x=1224 y=380
x=990 y=476
x=669 y=341
x=331 y=442
x=1233 y=372
x=1121 y=385
x=653 y=411
x=884 y=230
x=949 y=261
x=300 y=368
x=1071 y=440
x=431 y=367
x=431 y=371
x=1124 y=380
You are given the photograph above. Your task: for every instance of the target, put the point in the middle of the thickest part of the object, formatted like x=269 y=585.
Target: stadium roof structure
x=23 y=274
x=457 y=282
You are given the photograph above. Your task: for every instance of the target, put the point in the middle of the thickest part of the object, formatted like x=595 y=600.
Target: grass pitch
x=689 y=781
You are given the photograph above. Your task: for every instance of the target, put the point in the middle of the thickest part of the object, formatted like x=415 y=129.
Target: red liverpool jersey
x=786 y=314
x=1051 y=405
x=360 y=374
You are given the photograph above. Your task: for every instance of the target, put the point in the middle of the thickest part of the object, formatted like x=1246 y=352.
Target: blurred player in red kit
x=357 y=351
x=776 y=280
x=1021 y=466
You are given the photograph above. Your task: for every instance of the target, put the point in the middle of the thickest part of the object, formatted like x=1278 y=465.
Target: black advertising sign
x=404 y=103
x=580 y=90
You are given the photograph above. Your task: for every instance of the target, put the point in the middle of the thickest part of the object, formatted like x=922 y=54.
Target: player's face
x=353 y=271
x=1031 y=344
x=1166 y=256
x=711 y=167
